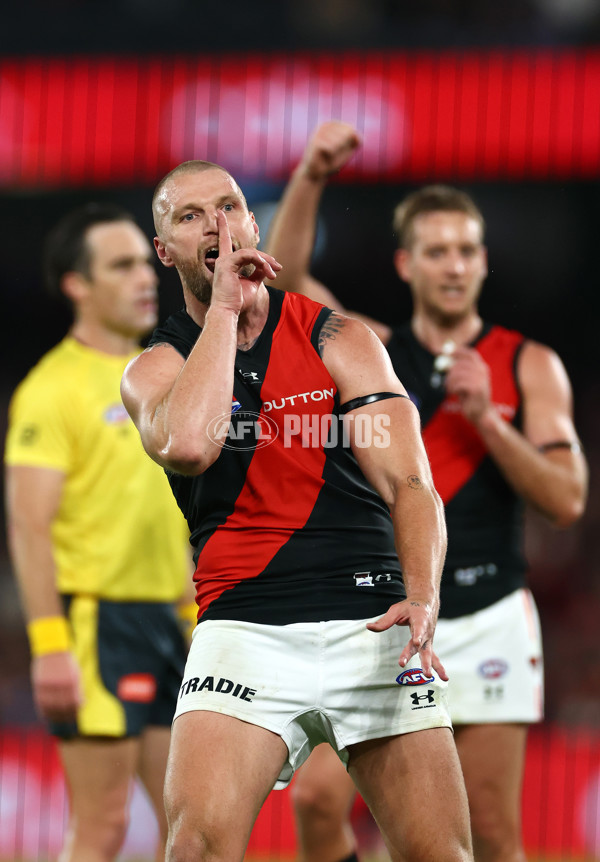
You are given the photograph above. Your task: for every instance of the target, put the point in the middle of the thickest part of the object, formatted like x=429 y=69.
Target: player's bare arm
x=172 y=400
x=292 y=232
x=33 y=500
x=399 y=470
x=544 y=464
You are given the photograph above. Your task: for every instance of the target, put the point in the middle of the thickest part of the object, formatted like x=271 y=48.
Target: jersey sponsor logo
x=242 y=431
x=493 y=668
x=414 y=676
x=116 y=414
x=300 y=398
x=235 y=404
x=222 y=686
x=249 y=376
x=137 y=688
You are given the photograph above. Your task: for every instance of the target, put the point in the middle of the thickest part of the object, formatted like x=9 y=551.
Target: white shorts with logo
x=494 y=660
x=331 y=682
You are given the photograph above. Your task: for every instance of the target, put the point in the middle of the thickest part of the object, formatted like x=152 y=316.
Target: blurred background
x=99 y=99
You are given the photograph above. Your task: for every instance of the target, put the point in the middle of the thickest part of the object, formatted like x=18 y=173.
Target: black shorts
x=131 y=656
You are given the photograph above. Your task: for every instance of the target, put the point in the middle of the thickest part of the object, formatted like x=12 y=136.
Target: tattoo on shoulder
x=414 y=482
x=157 y=344
x=334 y=324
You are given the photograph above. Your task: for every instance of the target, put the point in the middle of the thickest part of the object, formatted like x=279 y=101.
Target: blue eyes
x=192 y=215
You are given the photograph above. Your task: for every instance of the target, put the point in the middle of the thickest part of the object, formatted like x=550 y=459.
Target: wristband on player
x=188 y=616
x=575 y=448
x=48 y=635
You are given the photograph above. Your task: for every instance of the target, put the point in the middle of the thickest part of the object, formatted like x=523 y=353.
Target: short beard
x=447 y=320
x=195 y=281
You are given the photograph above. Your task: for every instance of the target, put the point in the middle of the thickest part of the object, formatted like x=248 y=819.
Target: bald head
x=161 y=198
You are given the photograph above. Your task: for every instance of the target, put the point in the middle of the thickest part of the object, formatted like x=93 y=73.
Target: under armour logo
x=249 y=376
x=428 y=697
x=493 y=692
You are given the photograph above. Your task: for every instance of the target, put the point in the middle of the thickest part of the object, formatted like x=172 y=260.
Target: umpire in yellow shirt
x=97 y=542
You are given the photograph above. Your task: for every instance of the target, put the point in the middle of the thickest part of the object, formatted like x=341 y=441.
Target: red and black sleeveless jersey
x=285 y=526
x=483 y=514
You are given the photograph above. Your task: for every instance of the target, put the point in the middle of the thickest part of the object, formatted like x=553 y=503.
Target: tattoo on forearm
x=416 y=604
x=334 y=324
x=414 y=482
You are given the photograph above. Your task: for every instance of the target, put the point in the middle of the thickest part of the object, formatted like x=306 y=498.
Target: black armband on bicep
x=369 y=399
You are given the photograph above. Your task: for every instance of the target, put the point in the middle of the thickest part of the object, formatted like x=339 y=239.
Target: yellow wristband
x=188 y=613
x=188 y=616
x=48 y=634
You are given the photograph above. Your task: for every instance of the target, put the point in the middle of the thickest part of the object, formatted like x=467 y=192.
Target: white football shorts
x=494 y=660
x=331 y=682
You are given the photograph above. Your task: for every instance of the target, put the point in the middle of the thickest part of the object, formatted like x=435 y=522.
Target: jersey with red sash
x=484 y=516
x=286 y=528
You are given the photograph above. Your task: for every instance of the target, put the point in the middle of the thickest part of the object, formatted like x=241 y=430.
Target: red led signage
x=469 y=116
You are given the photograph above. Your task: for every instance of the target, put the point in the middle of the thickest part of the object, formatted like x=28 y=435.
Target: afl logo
x=493 y=668
x=414 y=676
x=235 y=404
x=245 y=430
